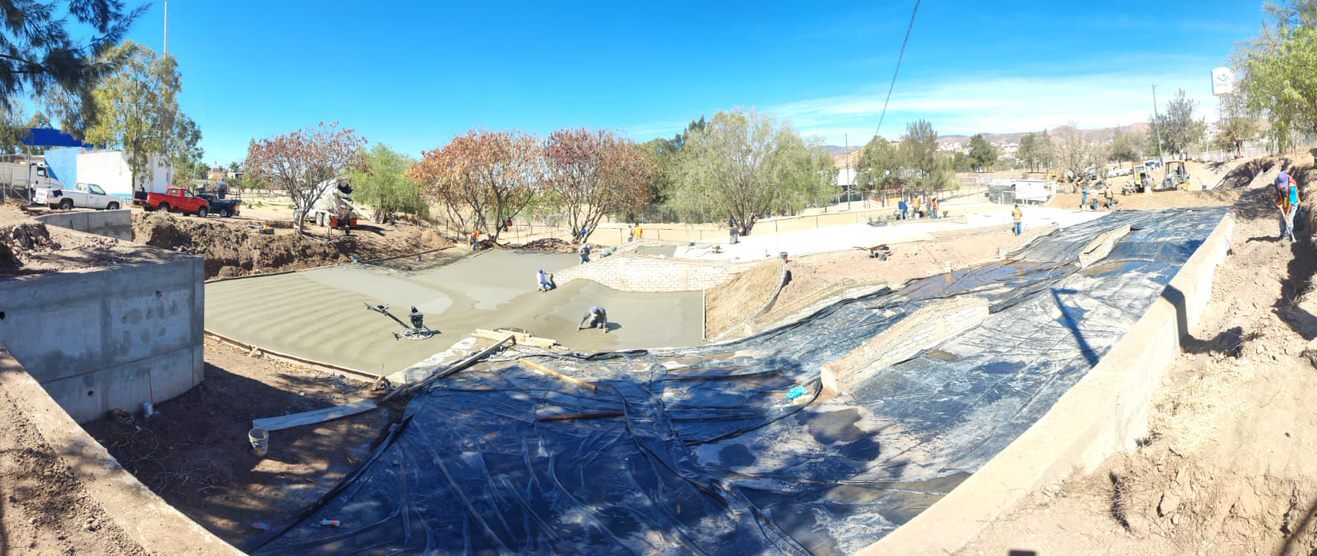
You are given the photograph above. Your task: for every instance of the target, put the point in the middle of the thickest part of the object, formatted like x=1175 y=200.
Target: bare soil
x=741 y=297
x=1227 y=466
x=815 y=275
x=30 y=247
x=195 y=453
x=44 y=509
x=235 y=247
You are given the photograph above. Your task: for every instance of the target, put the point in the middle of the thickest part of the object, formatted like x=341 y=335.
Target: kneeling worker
x=545 y=281
x=595 y=318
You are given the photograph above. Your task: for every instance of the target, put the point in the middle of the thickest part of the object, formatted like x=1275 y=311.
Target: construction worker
x=418 y=320
x=545 y=281
x=640 y=232
x=1018 y=217
x=596 y=317
x=904 y=208
x=475 y=239
x=1283 y=204
x=584 y=252
x=1110 y=199
x=1083 y=201
x=1287 y=200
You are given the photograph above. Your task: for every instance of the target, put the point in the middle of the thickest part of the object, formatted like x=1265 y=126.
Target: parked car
x=224 y=207
x=177 y=199
x=83 y=195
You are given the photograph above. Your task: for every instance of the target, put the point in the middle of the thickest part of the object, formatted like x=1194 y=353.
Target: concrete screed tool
x=416 y=331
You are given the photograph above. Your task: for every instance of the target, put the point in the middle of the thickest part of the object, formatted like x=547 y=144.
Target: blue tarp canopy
x=47 y=137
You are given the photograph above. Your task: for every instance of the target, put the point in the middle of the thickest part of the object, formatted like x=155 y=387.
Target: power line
x=899 y=57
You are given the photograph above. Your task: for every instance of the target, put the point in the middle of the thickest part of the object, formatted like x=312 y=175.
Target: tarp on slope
x=699 y=449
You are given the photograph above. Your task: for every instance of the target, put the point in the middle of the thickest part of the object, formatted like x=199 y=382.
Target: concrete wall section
x=146 y=519
x=1105 y=413
x=117 y=224
x=633 y=273
x=109 y=338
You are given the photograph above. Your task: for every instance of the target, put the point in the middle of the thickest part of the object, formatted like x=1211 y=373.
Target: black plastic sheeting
x=699 y=450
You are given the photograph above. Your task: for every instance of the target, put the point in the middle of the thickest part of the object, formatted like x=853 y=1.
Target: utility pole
x=846 y=140
x=166 y=27
x=1157 y=130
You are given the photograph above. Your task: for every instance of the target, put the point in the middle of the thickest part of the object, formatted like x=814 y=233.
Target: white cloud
x=990 y=104
x=999 y=104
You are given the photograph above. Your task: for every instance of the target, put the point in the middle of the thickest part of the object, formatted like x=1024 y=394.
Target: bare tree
x=299 y=162
x=1075 y=152
x=593 y=173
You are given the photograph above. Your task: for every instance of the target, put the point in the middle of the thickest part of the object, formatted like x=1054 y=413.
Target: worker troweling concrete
x=596 y=317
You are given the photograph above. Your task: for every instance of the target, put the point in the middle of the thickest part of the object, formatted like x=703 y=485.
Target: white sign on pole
x=1223 y=81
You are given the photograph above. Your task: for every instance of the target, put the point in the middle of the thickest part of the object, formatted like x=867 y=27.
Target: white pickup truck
x=83 y=195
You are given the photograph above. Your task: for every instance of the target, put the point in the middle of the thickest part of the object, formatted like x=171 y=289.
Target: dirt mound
x=1244 y=174
x=238 y=249
x=17 y=241
x=547 y=245
x=741 y=298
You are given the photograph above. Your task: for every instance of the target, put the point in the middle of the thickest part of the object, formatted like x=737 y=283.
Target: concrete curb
x=1105 y=413
x=144 y=517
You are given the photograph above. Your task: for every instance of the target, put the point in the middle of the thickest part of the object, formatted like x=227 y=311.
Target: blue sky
x=413 y=74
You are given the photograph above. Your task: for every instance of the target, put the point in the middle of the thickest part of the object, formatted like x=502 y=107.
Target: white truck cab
x=83 y=195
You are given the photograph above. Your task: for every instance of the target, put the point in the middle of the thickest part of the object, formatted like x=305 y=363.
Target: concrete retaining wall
x=146 y=519
x=634 y=273
x=117 y=224
x=1105 y=413
x=109 y=338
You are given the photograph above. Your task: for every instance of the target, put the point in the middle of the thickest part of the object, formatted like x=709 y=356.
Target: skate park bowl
x=735 y=448
x=320 y=314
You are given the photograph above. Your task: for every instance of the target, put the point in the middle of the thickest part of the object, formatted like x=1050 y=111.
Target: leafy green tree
x=918 y=152
x=744 y=166
x=381 y=181
x=1125 y=147
x=879 y=166
x=1178 y=128
x=40 y=56
x=137 y=110
x=982 y=154
x=12 y=130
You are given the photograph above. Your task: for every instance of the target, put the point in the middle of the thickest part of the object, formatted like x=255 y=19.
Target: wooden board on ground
x=541 y=368
x=314 y=416
x=522 y=338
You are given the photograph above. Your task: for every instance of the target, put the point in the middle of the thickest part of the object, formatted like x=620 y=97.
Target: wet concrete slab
x=320 y=314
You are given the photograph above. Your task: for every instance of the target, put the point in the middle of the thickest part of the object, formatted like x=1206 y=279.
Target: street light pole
x=846 y=150
x=166 y=27
x=1157 y=128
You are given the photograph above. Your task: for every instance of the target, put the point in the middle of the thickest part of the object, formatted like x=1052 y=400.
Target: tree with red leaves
x=594 y=173
x=483 y=178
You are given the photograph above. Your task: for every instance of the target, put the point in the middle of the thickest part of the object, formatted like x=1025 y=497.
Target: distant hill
x=1101 y=134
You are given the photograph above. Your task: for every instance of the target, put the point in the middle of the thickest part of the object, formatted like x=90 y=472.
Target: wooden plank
x=451 y=369
x=314 y=416
x=541 y=368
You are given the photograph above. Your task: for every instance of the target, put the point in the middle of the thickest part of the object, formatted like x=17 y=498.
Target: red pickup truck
x=177 y=199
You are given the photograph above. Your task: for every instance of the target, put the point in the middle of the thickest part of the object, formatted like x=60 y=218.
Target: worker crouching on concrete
x=545 y=281
x=596 y=317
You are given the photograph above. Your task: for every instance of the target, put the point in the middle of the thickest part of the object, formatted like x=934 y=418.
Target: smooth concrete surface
x=109 y=338
x=147 y=519
x=117 y=224
x=1104 y=413
x=638 y=273
x=321 y=314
